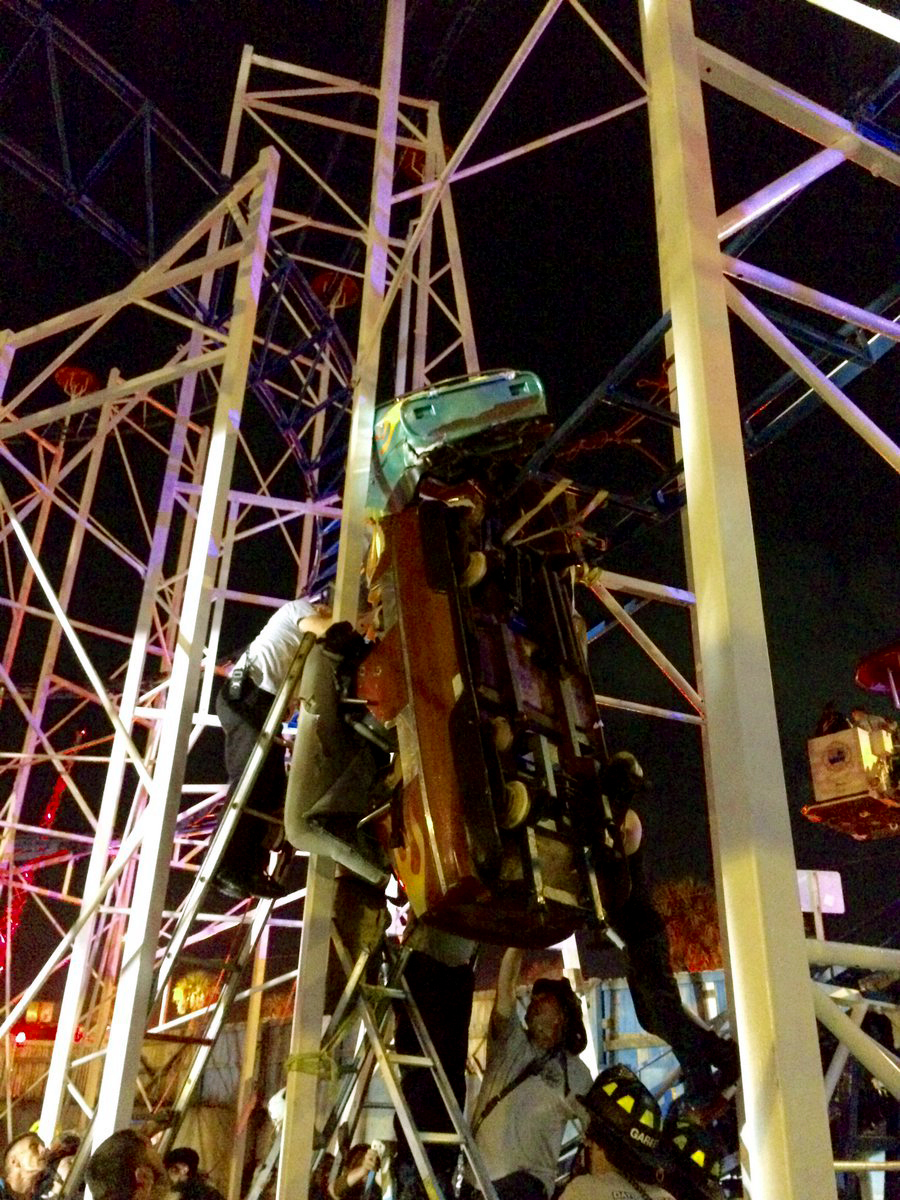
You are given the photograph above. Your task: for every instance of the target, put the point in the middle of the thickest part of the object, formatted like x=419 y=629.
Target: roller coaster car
x=856 y=782
x=497 y=826
x=453 y=421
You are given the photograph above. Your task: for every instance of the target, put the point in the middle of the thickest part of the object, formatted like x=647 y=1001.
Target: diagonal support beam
x=866 y=15
x=878 y=1061
x=817 y=380
x=738 y=268
x=786 y=1134
x=790 y=108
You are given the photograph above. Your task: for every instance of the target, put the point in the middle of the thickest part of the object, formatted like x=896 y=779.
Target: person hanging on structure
x=531 y=1082
x=242 y=705
x=709 y=1063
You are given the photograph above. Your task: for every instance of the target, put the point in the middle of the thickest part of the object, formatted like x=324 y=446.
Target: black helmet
x=575 y=1038
x=623 y=776
x=693 y=1156
x=621 y=1108
x=183 y=1155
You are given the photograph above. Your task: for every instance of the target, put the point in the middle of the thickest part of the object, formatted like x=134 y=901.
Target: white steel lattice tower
x=121 y=605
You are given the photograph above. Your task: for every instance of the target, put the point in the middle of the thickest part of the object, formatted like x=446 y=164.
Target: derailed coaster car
x=492 y=814
x=498 y=827
x=438 y=431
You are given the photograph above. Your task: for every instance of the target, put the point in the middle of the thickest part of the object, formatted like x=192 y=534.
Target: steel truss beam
x=42 y=470
x=301 y=364
x=845 y=142
x=143 y=134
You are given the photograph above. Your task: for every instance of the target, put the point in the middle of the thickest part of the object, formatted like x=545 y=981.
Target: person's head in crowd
x=127 y=1167
x=63 y=1147
x=624 y=1126
x=624 y=780
x=357 y=1155
x=693 y=1159
x=23 y=1162
x=553 y=1018
x=318 y=1180
x=352 y=1179
x=182 y=1164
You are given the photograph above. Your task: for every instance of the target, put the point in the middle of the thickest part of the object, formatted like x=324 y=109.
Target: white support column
x=55 y=1087
x=298 y=1131
x=116 y=1098
x=359 y=452
x=454 y=254
x=77 y=974
x=786 y=1137
x=54 y=638
x=247 y=1080
x=299 y=1128
x=421 y=266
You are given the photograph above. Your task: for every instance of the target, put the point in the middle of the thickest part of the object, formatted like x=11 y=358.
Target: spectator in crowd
x=127 y=1167
x=622 y=1142
x=183 y=1166
x=709 y=1063
x=319 y=1186
x=532 y=1078
x=58 y=1159
x=23 y=1164
x=356 y=1178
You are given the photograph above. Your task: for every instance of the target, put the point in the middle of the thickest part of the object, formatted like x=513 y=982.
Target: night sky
x=559 y=249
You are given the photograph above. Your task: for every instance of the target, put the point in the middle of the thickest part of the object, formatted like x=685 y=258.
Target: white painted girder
x=786 y=1141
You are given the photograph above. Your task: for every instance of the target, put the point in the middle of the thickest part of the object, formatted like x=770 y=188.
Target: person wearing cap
x=621 y=1152
x=531 y=1080
x=183 y=1166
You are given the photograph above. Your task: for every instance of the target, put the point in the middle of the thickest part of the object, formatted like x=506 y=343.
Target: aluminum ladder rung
x=388 y=1062
x=379 y=991
x=410 y=1060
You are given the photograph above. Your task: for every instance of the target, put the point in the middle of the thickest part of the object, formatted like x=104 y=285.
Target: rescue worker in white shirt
x=242 y=705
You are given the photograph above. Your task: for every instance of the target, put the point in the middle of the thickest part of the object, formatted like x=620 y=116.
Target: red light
x=20 y=1038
